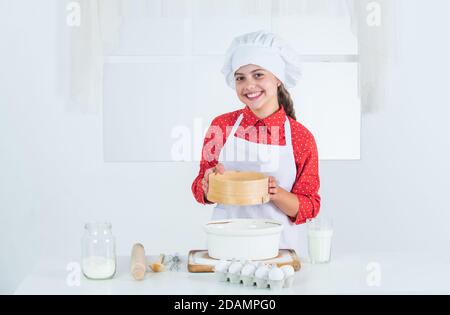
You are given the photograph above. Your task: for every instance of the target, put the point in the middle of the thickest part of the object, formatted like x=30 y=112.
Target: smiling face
x=258 y=89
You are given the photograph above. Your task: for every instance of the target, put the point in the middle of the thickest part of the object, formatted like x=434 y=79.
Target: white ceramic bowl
x=243 y=239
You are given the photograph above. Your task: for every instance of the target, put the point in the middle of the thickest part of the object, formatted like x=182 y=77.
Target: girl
x=260 y=66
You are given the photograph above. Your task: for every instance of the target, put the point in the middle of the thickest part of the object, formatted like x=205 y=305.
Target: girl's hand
x=283 y=199
x=273 y=188
x=218 y=169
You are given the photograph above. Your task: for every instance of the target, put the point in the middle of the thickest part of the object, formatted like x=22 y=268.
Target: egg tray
x=200 y=261
x=253 y=281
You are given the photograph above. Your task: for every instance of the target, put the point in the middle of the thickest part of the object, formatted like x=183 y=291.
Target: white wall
x=53 y=178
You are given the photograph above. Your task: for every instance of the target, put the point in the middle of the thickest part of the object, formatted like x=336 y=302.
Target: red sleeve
x=307 y=182
x=212 y=145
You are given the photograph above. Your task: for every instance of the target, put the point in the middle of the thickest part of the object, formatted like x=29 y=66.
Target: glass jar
x=98 y=251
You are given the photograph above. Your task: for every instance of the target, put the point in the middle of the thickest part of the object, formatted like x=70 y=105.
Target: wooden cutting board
x=199 y=260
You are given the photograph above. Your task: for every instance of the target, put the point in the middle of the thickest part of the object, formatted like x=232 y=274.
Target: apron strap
x=287 y=132
x=236 y=125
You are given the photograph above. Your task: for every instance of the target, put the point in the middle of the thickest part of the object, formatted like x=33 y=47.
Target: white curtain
x=377 y=44
x=99 y=26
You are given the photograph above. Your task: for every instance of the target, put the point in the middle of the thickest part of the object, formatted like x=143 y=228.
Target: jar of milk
x=98 y=251
x=320 y=232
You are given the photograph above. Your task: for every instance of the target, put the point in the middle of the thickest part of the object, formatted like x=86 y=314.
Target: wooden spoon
x=158 y=266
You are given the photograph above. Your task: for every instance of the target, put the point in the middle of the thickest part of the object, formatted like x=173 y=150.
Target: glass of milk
x=98 y=251
x=320 y=232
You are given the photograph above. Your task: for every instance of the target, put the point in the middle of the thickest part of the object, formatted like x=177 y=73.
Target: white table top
x=409 y=273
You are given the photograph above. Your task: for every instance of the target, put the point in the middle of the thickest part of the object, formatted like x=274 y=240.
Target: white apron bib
x=273 y=160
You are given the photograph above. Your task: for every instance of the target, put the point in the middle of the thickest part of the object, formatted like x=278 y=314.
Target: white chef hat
x=266 y=50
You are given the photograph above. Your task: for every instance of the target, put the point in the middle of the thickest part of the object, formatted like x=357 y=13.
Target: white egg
x=262 y=272
x=288 y=270
x=235 y=268
x=222 y=266
x=248 y=270
x=276 y=274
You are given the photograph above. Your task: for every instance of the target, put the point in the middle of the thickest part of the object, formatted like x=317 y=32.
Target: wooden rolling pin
x=138 y=265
